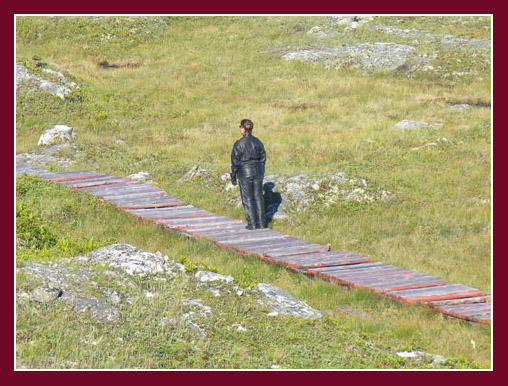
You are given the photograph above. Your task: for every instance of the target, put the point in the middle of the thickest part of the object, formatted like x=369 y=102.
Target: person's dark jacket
x=247 y=158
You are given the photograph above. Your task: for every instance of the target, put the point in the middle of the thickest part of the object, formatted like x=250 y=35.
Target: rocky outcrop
x=286 y=194
x=281 y=302
x=407 y=124
x=60 y=87
x=348 y=21
x=369 y=57
x=140 y=177
x=70 y=279
x=46 y=156
x=446 y=41
x=57 y=134
x=195 y=171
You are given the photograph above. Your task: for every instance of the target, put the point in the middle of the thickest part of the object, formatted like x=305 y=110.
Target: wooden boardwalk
x=150 y=203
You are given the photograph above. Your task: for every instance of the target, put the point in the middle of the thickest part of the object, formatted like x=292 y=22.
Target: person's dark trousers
x=251 y=190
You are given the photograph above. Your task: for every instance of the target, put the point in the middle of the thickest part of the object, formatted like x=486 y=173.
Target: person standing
x=248 y=165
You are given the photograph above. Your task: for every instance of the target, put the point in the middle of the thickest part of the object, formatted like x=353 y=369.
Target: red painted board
x=75 y=175
x=444 y=292
x=294 y=251
x=474 y=299
x=93 y=182
x=242 y=239
x=157 y=212
x=159 y=204
x=258 y=234
x=203 y=223
x=219 y=229
x=268 y=243
x=127 y=186
x=407 y=284
x=482 y=313
x=131 y=193
x=140 y=198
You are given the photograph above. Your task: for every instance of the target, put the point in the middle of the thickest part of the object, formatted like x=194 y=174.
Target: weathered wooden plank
x=93 y=181
x=294 y=251
x=480 y=314
x=157 y=212
x=150 y=204
x=268 y=243
x=137 y=193
x=197 y=222
x=444 y=292
x=140 y=198
x=320 y=270
x=475 y=299
x=259 y=234
x=395 y=285
x=245 y=240
x=75 y=175
x=308 y=261
x=128 y=186
x=219 y=229
x=193 y=220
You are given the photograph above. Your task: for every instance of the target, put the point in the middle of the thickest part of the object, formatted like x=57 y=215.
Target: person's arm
x=263 y=156
x=235 y=163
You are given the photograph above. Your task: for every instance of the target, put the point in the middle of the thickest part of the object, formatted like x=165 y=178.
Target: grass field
x=174 y=89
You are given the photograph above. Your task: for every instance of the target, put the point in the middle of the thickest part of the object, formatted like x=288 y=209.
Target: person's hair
x=247 y=125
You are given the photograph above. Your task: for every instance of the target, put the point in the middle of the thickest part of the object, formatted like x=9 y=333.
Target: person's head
x=246 y=125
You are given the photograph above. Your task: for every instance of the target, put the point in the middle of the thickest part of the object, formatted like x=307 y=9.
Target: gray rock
x=419 y=355
x=133 y=261
x=207 y=277
x=327 y=34
x=197 y=308
x=460 y=107
x=98 y=310
x=281 y=302
x=447 y=41
x=369 y=57
x=36 y=82
x=195 y=171
x=411 y=125
x=348 y=20
x=46 y=156
x=56 y=134
x=45 y=294
x=139 y=176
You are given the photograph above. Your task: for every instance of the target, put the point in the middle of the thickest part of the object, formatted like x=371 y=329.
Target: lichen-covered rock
x=139 y=176
x=283 y=194
x=195 y=171
x=351 y=21
x=281 y=302
x=460 y=107
x=133 y=261
x=407 y=124
x=47 y=156
x=45 y=294
x=369 y=57
x=207 y=277
x=56 y=134
x=446 y=41
x=61 y=90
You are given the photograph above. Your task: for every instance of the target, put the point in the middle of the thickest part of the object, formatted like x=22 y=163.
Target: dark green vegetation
x=174 y=89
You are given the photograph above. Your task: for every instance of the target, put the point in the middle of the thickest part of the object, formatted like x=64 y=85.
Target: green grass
x=175 y=98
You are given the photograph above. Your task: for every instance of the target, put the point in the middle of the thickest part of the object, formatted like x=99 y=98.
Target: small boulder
x=140 y=176
x=56 y=134
x=207 y=277
x=460 y=107
x=45 y=294
x=411 y=125
x=282 y=302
